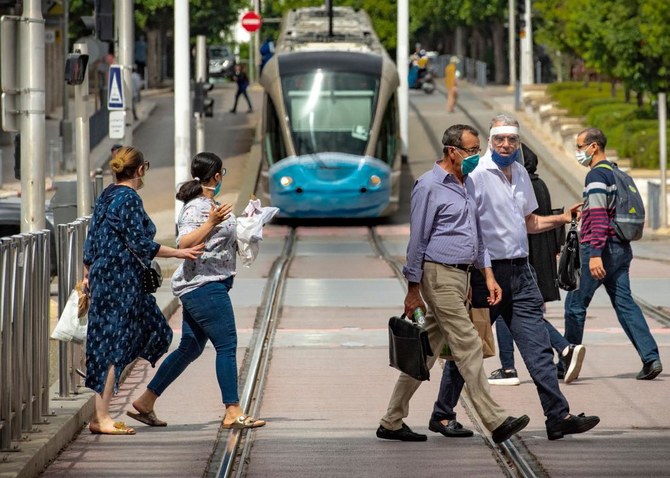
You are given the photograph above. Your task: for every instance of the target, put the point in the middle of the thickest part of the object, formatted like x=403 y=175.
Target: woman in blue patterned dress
x=202 y=285
x=124 y=322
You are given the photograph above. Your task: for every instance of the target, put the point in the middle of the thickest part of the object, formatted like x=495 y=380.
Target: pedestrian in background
x=451 y=75
x=122 y=318
x=445 y=244
x=136 y=81
x=543 y=249
x=140 y=55
x=203 y=285
x=505 y=204
x=605 y=259
x=242 y=81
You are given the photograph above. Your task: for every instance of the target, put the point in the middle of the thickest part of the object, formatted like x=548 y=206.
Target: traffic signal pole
x=33 y=122
x=82 y=141
x=200 y=77
x=511 y=40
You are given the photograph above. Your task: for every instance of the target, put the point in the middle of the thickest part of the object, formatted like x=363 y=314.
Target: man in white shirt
x=505 y=204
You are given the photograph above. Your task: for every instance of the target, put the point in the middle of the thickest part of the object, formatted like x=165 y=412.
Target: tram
x=330 y=140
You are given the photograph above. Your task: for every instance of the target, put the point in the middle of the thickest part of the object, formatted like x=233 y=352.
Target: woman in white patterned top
x=202 y=285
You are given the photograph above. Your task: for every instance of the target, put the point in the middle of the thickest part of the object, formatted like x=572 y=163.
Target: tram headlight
x=375 y=180
x=286 y=181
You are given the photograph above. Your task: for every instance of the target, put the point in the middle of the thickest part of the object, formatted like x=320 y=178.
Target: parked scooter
x=421 y=79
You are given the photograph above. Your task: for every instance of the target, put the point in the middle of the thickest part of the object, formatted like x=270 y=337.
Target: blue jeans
x=506 y=343
x=521 y=309
x=207 y=314
x=616 y=257
x=451 y=386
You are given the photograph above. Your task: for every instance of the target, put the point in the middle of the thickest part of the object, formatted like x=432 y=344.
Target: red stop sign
x=251 y=21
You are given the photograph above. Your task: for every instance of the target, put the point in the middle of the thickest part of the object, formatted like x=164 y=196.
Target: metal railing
x=71 y=356
x=472 y=70
x=24 y=335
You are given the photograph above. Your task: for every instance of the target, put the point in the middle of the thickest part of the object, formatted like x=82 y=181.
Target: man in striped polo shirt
x=605 y=258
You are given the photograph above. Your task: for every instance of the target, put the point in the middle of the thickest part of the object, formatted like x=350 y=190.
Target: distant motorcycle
x=421 y=79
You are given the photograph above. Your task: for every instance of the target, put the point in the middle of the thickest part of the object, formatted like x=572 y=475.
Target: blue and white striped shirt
x=444 y=226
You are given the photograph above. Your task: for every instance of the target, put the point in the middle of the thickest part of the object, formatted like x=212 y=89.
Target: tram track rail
x=235 y=452
x=511 y=453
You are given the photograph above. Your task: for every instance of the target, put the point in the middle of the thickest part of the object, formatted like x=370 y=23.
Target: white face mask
x=583 y=158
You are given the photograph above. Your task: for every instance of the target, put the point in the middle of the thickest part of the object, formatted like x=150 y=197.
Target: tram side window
x=387 y=143
x=274 y=142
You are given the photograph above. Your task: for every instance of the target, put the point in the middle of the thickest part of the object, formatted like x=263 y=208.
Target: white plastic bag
x=250 y=229
x=71 y=327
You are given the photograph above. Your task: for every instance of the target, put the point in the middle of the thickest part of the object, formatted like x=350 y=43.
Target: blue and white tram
x=330 y=139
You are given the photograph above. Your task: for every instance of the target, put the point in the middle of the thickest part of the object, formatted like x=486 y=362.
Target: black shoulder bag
x=152 y=278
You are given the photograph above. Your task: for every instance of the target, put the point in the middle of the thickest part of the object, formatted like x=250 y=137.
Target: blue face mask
x=216 y=189
x=469 y=164
x=503 y=161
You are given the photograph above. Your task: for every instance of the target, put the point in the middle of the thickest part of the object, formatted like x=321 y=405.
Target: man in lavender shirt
x=444 y=246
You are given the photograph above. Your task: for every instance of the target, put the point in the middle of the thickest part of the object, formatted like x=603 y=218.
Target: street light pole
x=33 y=122
x=402 y=57
x=511 y=40
x=182 y=93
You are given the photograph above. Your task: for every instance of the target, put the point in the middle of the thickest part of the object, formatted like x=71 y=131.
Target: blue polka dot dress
x=124 y=323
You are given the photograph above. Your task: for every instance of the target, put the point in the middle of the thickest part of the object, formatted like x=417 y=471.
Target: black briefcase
x=408 y=347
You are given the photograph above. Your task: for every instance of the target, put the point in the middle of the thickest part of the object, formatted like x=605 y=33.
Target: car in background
x=221 y=61
x=10 y=224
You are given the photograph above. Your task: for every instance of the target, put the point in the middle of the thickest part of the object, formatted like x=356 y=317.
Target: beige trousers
x=445 y=289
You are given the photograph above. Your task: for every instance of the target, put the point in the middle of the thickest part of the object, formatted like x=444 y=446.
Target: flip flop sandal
x=148 y=418
x=242 y=422
x=120 y=428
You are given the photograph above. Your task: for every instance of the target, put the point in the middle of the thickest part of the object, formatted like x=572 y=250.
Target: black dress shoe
x=403 y=434
x=453 y=429
x=509 y=427
x=650 y=370
x=572 y=424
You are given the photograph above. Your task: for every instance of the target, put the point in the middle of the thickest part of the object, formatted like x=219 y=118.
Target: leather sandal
x=242 y=422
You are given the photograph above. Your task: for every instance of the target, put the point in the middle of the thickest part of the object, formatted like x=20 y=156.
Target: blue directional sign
x=115 y=96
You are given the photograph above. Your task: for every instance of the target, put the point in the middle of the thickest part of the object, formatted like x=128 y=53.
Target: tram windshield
x=330 y=111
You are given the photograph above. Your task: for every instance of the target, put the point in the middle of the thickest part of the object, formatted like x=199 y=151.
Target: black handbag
x=569 y=266
x=152 y=278
x=408 y=347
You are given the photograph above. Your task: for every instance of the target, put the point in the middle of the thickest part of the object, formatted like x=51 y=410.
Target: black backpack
x=628 y=220
x=569 y=267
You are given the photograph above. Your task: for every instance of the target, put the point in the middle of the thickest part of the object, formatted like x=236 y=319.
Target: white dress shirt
x=503 y=207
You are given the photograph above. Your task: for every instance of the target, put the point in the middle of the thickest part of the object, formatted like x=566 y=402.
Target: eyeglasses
x=580 y=146
x=473 y=150
x=499 y=140
x=146 y=165
x=223 y=171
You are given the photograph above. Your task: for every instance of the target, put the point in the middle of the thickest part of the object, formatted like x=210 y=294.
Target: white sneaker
x=573 y=361
x=504 y=377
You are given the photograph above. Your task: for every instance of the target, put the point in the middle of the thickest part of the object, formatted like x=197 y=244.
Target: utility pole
x=663 y=157
x=511 y=40
x=526 y=44
x=66 y=124
x=182 y=93
x=200 y=77
x=402 y=58
x=82 y=141
x=257 y=42
x=125 y=29
x=33 y=123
